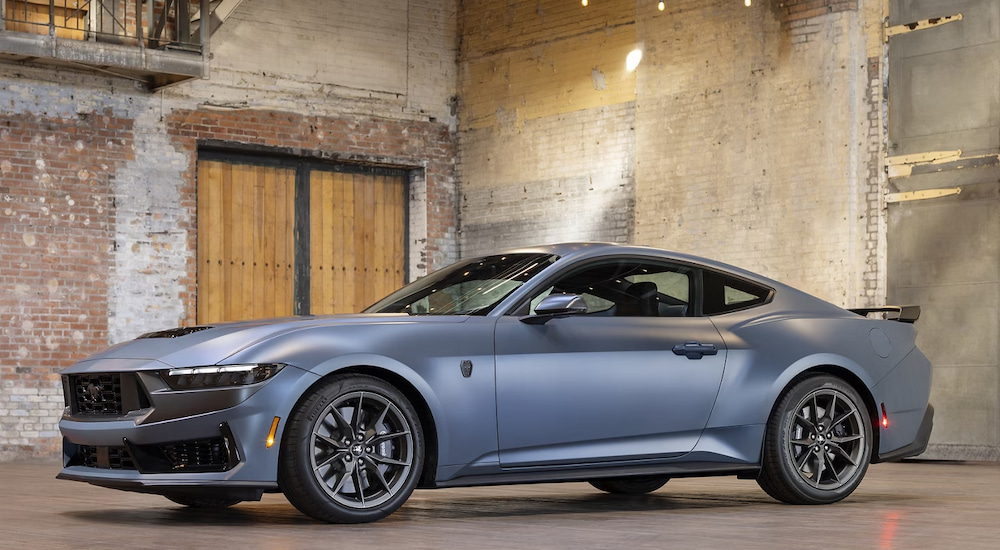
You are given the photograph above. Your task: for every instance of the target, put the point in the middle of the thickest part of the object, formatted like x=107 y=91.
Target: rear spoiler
x=903 y=314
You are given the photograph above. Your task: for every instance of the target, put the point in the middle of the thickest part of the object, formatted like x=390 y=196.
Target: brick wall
x=547 y=124
x=392 y=59
x=97 y=177
x=753 y=141
x=874 y=182
x=789 y=12
x=751 y=135
x=567 y=177
x=56 y=232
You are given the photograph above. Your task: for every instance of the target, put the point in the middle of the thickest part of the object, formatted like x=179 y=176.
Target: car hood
x=195 y=346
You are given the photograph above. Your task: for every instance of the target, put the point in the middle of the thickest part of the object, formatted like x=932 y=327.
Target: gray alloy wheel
x=638 y=485
x=352 y=452
x=818 y=443
x=203 y=502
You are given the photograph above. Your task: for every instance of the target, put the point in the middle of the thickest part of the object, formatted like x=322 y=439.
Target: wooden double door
x=293 y=239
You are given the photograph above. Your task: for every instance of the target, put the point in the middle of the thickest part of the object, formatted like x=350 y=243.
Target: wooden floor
x=911 y=505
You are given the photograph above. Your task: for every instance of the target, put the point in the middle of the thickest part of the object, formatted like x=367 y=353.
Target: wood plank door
x=357 y=237
x=280 y=240
x=246 y=258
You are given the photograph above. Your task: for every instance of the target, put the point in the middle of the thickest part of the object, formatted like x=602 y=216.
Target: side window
x=627 y=288
x=674 y=284
x=724 y=293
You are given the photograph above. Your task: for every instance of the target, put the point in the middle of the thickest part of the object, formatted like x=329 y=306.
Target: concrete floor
x=911 y=505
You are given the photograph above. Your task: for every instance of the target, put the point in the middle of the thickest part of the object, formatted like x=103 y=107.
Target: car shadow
x=426 y=506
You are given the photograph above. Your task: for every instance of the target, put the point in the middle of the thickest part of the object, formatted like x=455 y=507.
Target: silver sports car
x=618 y=365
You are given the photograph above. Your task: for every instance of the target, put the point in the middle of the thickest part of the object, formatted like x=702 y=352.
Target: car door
x=634 y=378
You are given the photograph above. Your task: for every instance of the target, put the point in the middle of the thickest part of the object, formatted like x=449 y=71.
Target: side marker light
x=885 y=418
x=270 y=434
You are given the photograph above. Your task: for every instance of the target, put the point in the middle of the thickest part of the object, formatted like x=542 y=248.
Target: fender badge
x=466 y=368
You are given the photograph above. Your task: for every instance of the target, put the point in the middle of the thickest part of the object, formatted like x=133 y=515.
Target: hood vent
x=173 y=333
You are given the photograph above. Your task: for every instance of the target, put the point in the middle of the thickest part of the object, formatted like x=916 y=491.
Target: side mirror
x=556 y=305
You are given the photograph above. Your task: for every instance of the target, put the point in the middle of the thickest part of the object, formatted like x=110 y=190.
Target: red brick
x=38 y=315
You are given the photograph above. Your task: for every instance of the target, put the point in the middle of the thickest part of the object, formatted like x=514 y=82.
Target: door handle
x=695 y=350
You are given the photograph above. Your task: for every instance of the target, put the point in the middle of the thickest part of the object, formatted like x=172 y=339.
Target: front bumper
x=215 y=446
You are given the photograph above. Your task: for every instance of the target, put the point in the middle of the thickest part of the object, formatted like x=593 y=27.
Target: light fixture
x=219 y=376
x=270 y=434
x=661 y=6
x=584 y=2
x=633 y=59
x=746 y=3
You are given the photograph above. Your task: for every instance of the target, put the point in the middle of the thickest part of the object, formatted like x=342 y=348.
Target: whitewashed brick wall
x=560 y=178
x=752 y=137
x=753 y=147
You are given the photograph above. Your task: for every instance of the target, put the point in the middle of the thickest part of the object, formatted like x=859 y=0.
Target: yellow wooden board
x=33 y=17
x=245 y=241
x=354 y=221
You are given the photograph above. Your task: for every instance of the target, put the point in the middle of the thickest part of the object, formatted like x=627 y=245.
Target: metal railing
x=158 y=24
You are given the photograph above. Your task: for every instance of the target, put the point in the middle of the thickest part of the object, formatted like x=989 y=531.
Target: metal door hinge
x=919 y=25
x=902 y=165
x=921 y=195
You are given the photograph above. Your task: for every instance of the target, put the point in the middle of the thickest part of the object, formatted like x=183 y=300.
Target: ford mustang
x=621 y=366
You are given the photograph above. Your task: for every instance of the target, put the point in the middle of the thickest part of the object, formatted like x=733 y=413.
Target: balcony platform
x=155 y=67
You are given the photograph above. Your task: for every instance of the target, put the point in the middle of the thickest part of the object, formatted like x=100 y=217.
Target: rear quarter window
x=725 y=293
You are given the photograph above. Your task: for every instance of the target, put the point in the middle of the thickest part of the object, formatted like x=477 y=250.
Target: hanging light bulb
x=746 y=3
x=661 y=7
x=584 y=2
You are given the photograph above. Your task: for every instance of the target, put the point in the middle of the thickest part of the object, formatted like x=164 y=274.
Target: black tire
x=818 y=443
x=639 y=485
x=203 y=502
x=342 y=467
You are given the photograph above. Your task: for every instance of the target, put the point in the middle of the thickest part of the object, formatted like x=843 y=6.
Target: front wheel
x=352 y=452
x=818 y=443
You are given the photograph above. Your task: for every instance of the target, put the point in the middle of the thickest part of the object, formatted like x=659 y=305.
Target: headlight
x=219 y=376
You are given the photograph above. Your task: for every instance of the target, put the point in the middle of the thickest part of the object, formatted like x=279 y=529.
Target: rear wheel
x=818 y=443
x=352 y=452
x=630 y=485
x=203 y=502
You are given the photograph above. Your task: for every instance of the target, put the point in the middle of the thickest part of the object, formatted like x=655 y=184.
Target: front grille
x=105 y=458
x=106 y=394
x=97 y=393
x=215 y=454
x=200 y=454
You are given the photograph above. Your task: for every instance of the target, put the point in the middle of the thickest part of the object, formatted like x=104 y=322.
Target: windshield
x=471 y=287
